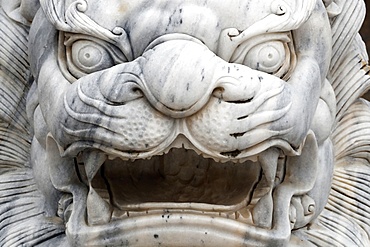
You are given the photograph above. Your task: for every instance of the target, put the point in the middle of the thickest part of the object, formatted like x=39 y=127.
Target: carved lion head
x=184 y=123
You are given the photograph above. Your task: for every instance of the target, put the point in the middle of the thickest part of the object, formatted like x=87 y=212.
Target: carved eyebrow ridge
x=73 y=19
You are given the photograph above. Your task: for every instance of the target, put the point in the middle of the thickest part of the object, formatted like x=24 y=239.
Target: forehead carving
x=279 y=15
x=79 y=17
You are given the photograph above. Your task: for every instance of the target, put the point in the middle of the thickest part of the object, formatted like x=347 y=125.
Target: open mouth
x=182 y=192
x=180 y=180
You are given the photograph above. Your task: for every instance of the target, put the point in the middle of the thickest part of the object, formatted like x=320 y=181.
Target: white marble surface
x=184 y=123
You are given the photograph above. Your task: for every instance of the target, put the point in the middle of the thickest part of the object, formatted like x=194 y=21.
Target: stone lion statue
x=184 y=123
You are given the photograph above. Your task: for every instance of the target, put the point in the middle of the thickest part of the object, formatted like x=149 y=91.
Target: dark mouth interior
x=180 y=176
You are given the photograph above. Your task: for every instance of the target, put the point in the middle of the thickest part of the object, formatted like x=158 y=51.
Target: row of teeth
x=206 y=156
x=98 y=217
x=100 y=211
x=180 y=142
x=93 y=160
x=241 y=215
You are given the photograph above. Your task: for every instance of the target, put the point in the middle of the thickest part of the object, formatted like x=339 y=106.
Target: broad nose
x=181 y=76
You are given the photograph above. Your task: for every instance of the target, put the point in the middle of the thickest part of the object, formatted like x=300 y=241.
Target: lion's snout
x=175 y=88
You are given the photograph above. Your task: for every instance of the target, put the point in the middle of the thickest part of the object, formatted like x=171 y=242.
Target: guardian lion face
x=159 y=119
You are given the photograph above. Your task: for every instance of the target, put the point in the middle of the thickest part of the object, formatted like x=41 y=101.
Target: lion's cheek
x=232 y=128
x=85 y=119
x=324 y=117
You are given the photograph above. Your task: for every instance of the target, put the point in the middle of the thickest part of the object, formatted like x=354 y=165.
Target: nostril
x=237 y=84
x=240 y=101
x=234 y=91
x=123 y=92
x=219 y=93
x=122 y=89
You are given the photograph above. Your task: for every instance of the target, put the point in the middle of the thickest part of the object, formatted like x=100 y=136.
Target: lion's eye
x=268 y=57
x=270 y=53
x=80 y=55
x=89 y=56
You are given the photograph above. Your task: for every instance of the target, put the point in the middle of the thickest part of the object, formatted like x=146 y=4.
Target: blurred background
x=365 y=30
x=365 y=33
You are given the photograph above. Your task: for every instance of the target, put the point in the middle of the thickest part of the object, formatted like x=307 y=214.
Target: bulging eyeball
x=267 y=57
x=89 y=56
x=270 y=53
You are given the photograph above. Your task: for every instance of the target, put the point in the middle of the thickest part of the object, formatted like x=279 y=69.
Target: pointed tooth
x=167 y=150
x=207 y=156
x=268 y=160
x=232 y=216
x=203 y=155
x=228 y=215
x=93 y=161
x=198 y=152
x=62 y=170
x=224 y=161
x=245 y=215
x=237 y=215
x=98 y=210
x=118 y=214
x=224 y=215
x=263 y=211
x=253 y=158
x=112 y=157
x=217 y=160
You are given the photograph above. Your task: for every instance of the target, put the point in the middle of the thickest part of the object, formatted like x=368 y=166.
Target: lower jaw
x=173 y=228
